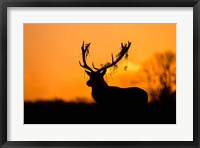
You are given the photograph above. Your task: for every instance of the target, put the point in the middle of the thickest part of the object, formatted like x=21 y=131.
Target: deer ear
x=103 y=72
x=88 y=73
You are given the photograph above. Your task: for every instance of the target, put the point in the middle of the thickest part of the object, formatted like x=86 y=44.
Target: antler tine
x=94 y=66
x=85 y=49
x=124 y=50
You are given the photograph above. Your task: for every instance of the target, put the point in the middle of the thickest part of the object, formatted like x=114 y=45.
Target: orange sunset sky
x=52 y=53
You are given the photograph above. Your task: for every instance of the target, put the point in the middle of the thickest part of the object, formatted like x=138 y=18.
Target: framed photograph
x=104 y=73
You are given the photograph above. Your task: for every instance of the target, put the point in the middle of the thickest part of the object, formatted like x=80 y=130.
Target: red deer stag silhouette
x=103 y=93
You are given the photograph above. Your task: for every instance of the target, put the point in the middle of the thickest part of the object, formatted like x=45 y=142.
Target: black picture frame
x=4 y=4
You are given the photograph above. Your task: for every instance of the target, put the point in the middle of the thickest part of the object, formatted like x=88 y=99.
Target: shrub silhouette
x=160 y=72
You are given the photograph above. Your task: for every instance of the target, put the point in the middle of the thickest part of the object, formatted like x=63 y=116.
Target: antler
x=124 y=50
x=85 y=51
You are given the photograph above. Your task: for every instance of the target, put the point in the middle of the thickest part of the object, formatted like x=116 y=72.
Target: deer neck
x=101 y=85
x=99 y=90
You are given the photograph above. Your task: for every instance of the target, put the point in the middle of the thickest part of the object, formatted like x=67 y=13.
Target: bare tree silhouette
x=111 y=95
x=161 y=76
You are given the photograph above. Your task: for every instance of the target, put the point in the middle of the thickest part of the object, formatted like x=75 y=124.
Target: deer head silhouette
x=104 y=94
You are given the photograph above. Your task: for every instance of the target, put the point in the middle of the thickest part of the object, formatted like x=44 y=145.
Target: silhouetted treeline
x=60 y=112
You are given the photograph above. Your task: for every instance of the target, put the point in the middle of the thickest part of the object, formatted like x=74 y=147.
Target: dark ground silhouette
x=59 y=112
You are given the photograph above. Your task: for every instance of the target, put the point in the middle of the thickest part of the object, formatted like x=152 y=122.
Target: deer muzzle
x=88 y=83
